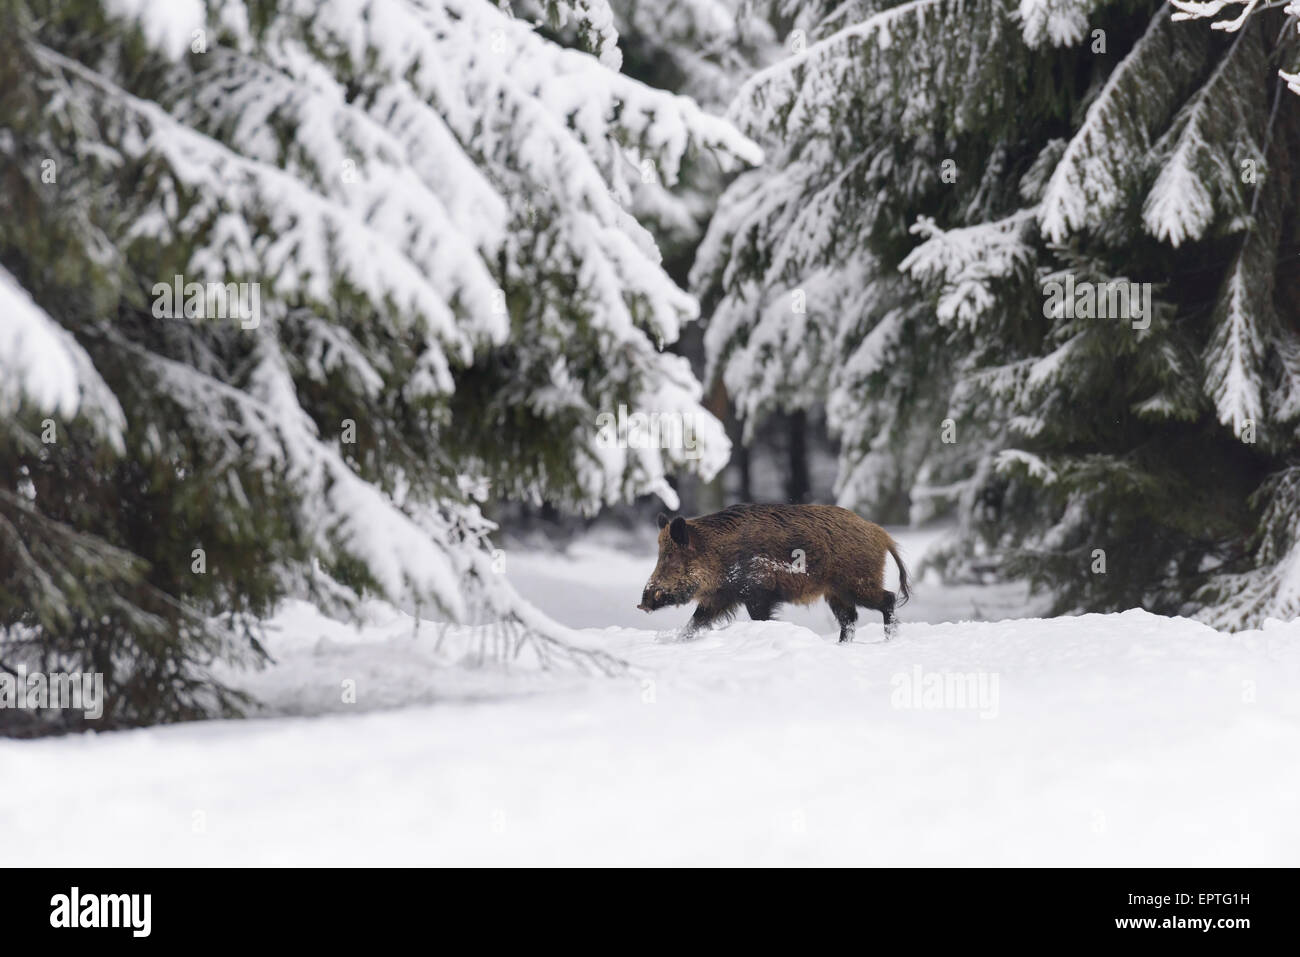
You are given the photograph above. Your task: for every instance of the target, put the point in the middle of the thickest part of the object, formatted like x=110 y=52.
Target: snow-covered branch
x=1211 y=9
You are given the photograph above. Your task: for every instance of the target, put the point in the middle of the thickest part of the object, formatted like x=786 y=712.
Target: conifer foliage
x=288 y=288
x=957 y=194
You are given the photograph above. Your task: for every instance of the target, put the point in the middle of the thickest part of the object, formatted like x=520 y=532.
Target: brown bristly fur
x=761 y=556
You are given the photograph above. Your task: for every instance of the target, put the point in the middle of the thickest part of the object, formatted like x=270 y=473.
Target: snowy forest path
x=1126 y=739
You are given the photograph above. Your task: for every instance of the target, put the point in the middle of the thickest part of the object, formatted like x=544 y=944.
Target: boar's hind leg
x=883 y=602
x=846 y=614
x=886 y=607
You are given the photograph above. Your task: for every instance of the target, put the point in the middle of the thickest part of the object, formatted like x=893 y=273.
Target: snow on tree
x=1061 y=23
x=701 y=49
x=1205 y=149
x=43 y=364
x=704 y=48
x=1095 y=174
x=1209 y=9
x=798 y=232
x=409 y=281
x=934 y=171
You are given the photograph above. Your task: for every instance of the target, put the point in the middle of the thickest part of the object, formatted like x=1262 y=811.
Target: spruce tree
x=429 y=200
x=933 y=169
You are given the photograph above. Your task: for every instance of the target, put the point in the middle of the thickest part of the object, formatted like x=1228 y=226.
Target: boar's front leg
x=706 y=613
x=761 y=606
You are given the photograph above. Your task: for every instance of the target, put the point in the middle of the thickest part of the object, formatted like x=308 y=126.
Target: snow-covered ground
x=1122 y=739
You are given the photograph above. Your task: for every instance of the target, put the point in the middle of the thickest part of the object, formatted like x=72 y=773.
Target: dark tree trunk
x=746 y=490
x=798 y=485
x=713 y=495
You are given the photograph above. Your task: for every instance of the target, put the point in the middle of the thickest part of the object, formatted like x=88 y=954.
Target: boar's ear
x=662 y=519
x=678 y=531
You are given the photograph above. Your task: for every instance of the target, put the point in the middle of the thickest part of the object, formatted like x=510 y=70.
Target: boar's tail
x=904 y=592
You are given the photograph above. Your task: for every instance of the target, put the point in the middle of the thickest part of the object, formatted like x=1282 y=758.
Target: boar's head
x=674 y=580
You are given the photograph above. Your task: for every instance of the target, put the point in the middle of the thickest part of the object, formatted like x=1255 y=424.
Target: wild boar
x=761 y=556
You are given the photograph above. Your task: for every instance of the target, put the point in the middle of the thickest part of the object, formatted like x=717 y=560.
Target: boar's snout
x=651 y=598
